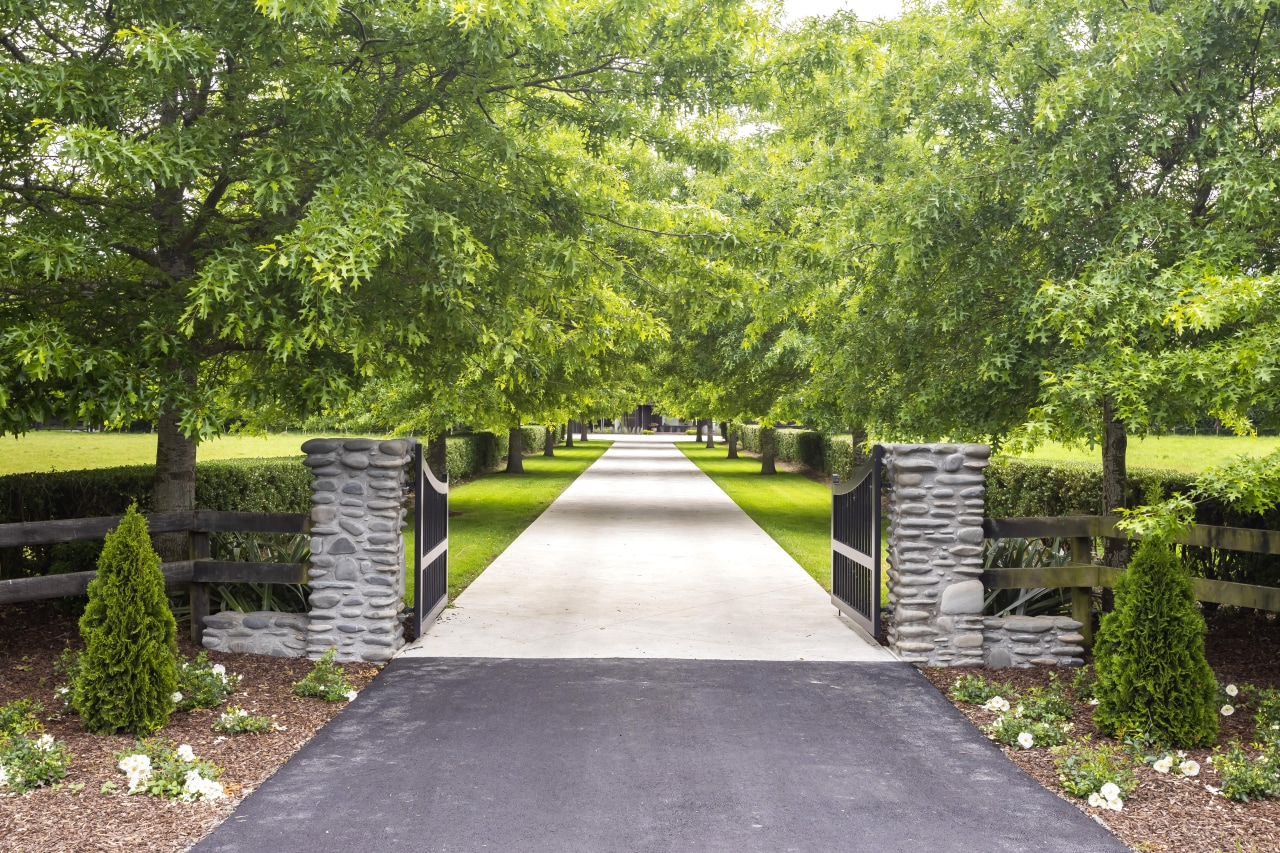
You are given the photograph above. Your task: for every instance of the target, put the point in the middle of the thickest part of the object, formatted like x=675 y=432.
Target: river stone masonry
x=935 y=552
x=357 y=572
x=265 y=632
x=1032 y=641
x=357 y=551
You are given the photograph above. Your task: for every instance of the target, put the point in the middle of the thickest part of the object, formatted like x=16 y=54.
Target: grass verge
x=493 y=509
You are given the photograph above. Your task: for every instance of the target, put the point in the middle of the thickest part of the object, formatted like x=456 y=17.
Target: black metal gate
x=431 y=544
x=855 y=544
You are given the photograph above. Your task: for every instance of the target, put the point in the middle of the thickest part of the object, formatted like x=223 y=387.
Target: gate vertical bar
x=431 y=543
x=855 y=544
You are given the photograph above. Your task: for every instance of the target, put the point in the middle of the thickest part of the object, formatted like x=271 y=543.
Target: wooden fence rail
x=195 y=573
x=1081 y=576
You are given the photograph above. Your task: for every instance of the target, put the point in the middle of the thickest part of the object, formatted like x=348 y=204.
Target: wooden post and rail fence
x=195 y=573
x=1081 y=576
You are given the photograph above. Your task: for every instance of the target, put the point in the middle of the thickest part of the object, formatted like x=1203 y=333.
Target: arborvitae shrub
x=1152 y=676
x=128 y=672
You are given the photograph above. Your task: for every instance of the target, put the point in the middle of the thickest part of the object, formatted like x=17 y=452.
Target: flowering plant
x=974 y=690
x=1015 y=729
x=1245 y=777
x=202 y=684
x=238 y=721
x=1086 y=771
x=27 y=763
x=326 y=681
x=154 y=766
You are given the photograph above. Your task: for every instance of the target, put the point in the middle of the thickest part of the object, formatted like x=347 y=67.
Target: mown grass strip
x=490 y=511
x=75 y=451
x=794 y=510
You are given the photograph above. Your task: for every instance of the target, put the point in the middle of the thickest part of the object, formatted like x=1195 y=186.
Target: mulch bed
x=1167 y=813
x=78 y=816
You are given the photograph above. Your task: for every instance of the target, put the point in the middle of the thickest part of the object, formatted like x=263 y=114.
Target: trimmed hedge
x=828 y=453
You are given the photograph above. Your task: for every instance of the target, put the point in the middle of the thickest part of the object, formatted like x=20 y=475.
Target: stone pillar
x=357 y=551
x=935 y=552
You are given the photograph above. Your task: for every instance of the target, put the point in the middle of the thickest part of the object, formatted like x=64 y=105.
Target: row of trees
x=1008 y=221
x=1001 y=221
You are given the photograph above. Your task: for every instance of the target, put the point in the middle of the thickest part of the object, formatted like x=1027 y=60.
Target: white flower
x=1115 y=805
x=199 y=788
x=1025 y=740
x=1227 y=710
x=997 y=704
x=218 y=669
x=176 y=697
x=186 y=753
x=45 y=743
x=1163 y=765
x=1232 y=691
x=136 y=763
x=4 y=776
x=1189 y=768
x=1096 y=801
x=1110 y=791
x=138 y=768
x=1093 y=701
x=351 y=696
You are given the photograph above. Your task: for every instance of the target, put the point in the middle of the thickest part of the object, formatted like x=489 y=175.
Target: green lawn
x=493 y=509
x=1191 y=453
x=48 y=450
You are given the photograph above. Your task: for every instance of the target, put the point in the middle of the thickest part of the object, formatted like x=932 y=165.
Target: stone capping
x=357 y=561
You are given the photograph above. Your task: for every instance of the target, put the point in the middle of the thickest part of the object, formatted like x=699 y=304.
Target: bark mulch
x=77 y=815
x=1168 y=813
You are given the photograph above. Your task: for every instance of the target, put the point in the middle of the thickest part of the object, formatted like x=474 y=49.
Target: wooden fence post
x=1082 y=596
x=199 y=591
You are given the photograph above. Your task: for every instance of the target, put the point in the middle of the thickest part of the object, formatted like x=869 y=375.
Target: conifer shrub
x=128 y=671
x=1152 y=676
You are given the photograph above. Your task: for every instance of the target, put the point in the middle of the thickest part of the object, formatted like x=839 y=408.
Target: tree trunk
x=549 y=443
x=698 y=437
x=568 y=435
x=175 y=483
x=732 y=440
x=586 y=425
x=711 y=434
x=1115 y=440
x=515 y=450
x=767 y=465
x=438 y=456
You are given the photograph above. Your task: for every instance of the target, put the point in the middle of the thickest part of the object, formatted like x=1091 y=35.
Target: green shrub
x=326 y=681
x=202 y=684
x=238 y=721
x=1083 y=769
x=1046 y=703
x=27 y=763
x=976 y=690
x=156 y=768
x=128 y=673
x=1149 y=656
x=1245 y=777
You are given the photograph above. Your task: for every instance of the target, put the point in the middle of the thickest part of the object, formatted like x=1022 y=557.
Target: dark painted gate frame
x=855 y=543
x=431 y=543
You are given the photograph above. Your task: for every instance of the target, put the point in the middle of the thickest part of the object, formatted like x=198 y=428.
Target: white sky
x=866 y=10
